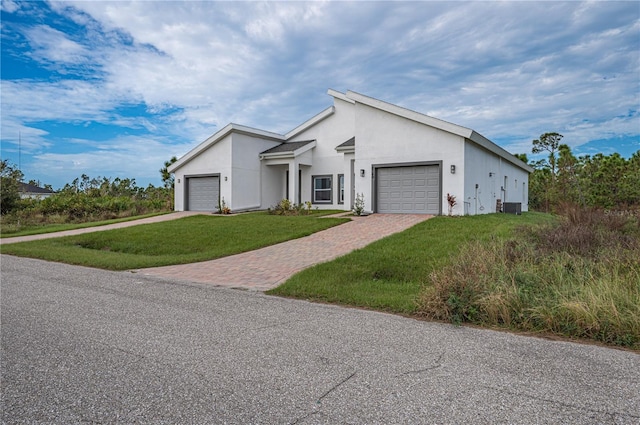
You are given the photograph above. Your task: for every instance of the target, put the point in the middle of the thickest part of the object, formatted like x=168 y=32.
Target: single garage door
x=203 y=193
x=408 y=190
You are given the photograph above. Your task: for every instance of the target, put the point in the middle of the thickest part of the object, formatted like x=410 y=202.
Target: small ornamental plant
x=223 y=208
x=452 y=203
x=286 y=207
x=358 y=205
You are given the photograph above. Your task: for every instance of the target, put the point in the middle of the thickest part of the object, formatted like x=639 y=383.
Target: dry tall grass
x=579 y=278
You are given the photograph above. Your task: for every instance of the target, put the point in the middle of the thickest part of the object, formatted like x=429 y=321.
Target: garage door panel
x=203 y=193
x=410 y=189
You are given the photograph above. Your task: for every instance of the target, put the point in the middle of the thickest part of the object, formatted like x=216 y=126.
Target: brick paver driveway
x=266 y=268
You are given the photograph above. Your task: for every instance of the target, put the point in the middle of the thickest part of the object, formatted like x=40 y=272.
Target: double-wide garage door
x=408 y=190
x=203 y=193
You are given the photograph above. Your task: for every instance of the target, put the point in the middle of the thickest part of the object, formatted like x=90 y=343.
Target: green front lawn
x=389 y=274
x=187 y=240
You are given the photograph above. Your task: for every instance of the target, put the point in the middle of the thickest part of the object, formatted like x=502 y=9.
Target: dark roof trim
x=287 y=147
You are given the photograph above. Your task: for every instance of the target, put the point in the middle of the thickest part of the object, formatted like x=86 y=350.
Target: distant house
x=398 y=160
x=34 y=192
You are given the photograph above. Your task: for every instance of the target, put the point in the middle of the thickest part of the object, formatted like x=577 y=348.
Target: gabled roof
x=461 y=131
x=282 y=151
x=288 y=149
x=237 y=128
x=347 y=147
x=310 y=122
x=216 y=137
x=30 y=188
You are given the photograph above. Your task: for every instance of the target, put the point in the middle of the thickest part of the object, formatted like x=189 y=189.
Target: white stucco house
x=30 y=191
x=399 y=160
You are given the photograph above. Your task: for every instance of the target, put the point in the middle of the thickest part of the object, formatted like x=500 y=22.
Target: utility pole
x=19 y=151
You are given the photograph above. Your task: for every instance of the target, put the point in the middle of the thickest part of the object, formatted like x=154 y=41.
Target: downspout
x=476 y=200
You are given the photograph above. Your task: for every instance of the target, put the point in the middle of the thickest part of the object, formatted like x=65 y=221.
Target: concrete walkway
x=266 y=268
x=154 y=219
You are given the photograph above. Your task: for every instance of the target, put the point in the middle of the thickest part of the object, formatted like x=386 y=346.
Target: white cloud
x=52 y=45
x=124 y=157
x=9 y=6
x=491 y=66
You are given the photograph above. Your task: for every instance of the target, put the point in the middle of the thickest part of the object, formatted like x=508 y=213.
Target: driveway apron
x=266 y=268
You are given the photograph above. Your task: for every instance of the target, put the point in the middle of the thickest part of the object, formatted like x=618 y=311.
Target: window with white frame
x=341 y=188
x=321 y=189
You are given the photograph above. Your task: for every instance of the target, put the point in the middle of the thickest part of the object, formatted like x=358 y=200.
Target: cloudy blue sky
x=114 y=89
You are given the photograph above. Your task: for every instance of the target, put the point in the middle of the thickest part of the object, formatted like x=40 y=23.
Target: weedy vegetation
x=578 y=278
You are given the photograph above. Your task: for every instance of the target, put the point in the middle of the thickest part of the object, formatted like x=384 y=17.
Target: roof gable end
x=219 y=135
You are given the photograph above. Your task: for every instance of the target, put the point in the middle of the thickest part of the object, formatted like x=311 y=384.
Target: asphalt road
x=88 y=346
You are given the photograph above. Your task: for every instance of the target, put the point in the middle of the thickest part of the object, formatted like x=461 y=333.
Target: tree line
x=598 y=181
x=84 y=199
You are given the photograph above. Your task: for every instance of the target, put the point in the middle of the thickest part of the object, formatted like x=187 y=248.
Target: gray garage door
x=408 y=190
x=202 y=193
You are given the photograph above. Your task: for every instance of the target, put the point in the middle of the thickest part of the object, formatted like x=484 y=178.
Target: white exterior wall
x=384 y=138
x=488 y=171
x=349 y=180
x=273 y=185
x=215 y=160
x=329 y=133
x=244 y=183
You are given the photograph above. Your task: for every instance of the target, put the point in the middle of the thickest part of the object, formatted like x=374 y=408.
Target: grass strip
x=389 y=274
x=187 y=240
x=52 y=228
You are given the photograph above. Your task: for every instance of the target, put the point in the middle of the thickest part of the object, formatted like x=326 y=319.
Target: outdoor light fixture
x=362 y=172
x=225 y=178
x=453 y=169
x=178 y=180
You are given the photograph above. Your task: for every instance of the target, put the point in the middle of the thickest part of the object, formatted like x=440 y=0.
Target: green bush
x=286 y=207
x=69 y=207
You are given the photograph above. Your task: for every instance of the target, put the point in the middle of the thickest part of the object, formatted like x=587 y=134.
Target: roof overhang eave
x=461 y=131
x=480 y=140
x=310 y=122
x=218 y=136
x=279 y=155
x=411 y=115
